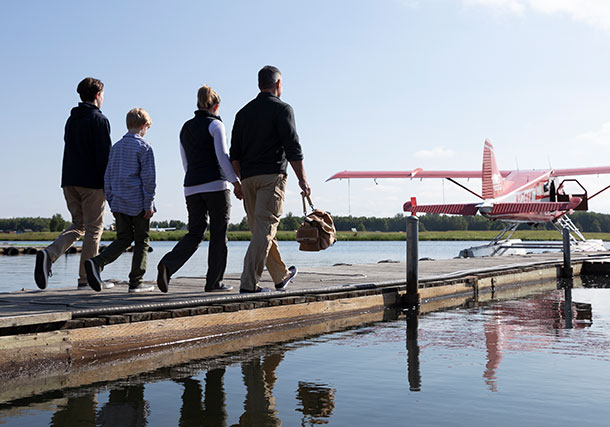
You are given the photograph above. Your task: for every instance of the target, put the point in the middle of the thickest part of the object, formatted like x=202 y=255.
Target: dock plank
x=182 y=290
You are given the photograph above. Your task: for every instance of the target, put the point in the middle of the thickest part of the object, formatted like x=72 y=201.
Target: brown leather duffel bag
x=317 y=232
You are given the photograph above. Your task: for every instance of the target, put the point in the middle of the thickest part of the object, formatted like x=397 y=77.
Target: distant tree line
x=585 y=221
x=55 y=223
x=288 y=223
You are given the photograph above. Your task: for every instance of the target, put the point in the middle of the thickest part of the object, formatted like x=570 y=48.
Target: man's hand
x=237 y=190
x=305 y=187
x=148 y=214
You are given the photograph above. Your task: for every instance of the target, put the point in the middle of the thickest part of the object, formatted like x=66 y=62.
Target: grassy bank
x=341 y=235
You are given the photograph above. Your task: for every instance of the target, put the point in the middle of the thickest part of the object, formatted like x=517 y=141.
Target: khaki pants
x=86 y=205
x=263 y=202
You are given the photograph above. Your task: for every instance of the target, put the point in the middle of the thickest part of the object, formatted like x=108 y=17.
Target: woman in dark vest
x=208 y=172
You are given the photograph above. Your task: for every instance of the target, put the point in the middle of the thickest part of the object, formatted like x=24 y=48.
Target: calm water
x=503 y=364
x=17 y=272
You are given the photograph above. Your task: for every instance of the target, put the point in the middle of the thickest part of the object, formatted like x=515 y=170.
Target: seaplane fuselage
x=522 y=187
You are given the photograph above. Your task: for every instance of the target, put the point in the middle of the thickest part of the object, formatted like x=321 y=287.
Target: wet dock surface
x=185 y=291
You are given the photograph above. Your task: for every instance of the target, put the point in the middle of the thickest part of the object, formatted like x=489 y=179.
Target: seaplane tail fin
x=492 y=177
x=454 y=209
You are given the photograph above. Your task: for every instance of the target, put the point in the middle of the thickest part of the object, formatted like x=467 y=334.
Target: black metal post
x=567 y=261
x=412 y=298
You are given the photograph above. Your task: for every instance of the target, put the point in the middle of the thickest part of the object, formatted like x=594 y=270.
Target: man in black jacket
x=263 y=141
x=86 y=149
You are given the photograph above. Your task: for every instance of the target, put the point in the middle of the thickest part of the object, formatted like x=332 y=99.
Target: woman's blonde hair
x=138 y=117
x=207 y=98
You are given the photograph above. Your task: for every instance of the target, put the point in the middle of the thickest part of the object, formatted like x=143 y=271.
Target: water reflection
x=79 y=411
x=567 y=307
x=467 y=350
x=537 y=322
x=493 y=346
x=201 y=405
x=531 y=324
x=259 y=379
x=126 y=407
x=317 y=402
x=203 y=401
x=209 y=409
x=413 y=370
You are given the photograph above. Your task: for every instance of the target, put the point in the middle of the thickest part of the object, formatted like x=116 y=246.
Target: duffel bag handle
x=308 y=201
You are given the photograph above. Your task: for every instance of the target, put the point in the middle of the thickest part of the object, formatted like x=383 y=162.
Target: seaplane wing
x=535 y=207
x=493 y=208
x=420 y=173
x=581 y=171
x=452 y=209
x=415 y=173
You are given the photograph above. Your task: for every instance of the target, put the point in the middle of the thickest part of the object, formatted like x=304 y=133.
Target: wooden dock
x=62 y=337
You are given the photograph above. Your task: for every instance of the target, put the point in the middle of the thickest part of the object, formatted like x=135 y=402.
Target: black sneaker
x=220 y=288
x=93 y=275
x=293 y=273
x=162 y=277
x=42 y=270
x=250 y=291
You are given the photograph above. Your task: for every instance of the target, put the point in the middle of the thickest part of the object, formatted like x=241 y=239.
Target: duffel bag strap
x=308 y=201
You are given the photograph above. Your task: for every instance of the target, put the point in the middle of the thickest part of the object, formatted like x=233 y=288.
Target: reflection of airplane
x=514 y=197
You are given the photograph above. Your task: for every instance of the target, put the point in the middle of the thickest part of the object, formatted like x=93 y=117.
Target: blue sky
x=377 y=85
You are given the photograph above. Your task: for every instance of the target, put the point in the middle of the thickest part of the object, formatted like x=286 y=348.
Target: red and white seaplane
x=513 y=197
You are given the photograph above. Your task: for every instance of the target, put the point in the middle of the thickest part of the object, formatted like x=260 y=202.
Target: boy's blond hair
x=138 y=117
x=207 y=98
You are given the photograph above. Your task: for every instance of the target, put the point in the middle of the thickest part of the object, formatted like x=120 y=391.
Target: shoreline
x=459 y=235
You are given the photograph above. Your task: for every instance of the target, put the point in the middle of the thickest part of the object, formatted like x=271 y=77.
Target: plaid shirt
x=129 y=181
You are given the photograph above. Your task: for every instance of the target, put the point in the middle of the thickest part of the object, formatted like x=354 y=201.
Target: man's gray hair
x=268 y=77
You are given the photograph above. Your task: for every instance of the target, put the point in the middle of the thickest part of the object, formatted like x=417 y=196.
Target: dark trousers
x=217 y=207
x=129 y=229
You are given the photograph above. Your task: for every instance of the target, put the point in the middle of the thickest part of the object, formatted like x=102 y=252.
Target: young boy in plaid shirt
x=129 y=186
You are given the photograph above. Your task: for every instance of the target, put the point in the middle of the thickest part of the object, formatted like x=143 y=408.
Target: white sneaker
x=142 y=287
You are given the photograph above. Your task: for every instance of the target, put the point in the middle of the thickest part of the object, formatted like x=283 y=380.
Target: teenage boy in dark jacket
x=87 y=145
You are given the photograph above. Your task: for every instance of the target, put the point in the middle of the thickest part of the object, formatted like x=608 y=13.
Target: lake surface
x=507 y=363
x=17 y=272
